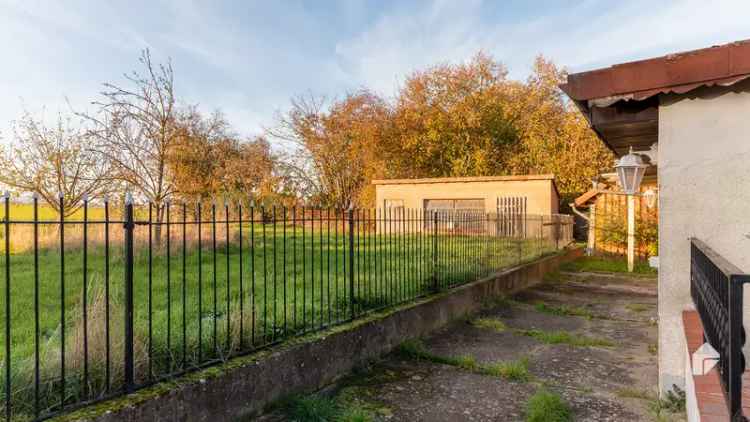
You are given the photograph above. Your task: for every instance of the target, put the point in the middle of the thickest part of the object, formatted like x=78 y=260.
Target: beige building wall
x=540 y=191
x=704 y=192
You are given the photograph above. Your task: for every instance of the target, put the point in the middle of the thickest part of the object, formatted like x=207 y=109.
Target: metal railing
x=716 y=288
x=100 y=305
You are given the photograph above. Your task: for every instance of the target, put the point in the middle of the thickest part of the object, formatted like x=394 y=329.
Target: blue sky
x=248 y=58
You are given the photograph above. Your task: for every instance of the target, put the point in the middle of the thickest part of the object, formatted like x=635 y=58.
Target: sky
x=248 y=58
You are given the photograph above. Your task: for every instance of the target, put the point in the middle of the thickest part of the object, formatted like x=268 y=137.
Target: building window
x=454 y=204
x=450 y=207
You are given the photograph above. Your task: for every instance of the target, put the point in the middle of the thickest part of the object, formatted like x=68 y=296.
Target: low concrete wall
x=246 y=385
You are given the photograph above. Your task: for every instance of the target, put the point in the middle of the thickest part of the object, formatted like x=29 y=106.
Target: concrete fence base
x=246 y=385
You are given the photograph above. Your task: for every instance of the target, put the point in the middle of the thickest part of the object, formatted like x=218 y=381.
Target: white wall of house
x=704 y=191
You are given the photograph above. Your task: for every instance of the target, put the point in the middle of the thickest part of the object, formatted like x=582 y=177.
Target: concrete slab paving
x=615 y=381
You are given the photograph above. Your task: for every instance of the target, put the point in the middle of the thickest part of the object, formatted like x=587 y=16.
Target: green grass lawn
x=607 y=265
x=194 y=308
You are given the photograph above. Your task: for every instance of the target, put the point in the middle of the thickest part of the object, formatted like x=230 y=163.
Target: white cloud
x=585 y=35
x=248 y=58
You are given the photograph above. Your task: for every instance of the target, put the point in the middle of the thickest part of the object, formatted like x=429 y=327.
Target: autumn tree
x=53 y=162
x=464 y=119
x=335 y=150
x=553 y=136
x=135 y=128
x=209 y=160
x=452 y=120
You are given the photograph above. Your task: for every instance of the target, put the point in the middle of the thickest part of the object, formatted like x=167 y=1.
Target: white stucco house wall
x=696 y=107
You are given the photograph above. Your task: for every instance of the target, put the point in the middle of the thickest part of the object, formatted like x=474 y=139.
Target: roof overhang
x=621 y=102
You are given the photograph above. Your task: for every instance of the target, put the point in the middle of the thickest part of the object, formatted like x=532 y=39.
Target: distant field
x=26 y=212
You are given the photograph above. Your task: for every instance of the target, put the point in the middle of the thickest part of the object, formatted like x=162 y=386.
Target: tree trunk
x=158 y=217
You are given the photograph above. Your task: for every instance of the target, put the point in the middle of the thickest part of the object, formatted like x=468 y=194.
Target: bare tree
x=135 y=129
x=53 y=161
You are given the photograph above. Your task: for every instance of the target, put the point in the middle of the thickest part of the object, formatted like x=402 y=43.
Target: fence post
x=592 y=230
x=129 y=225
x=351 y=262
x=631 y=232
x=435 y=250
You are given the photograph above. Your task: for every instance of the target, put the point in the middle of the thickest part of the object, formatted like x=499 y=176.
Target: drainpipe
x=591 y=218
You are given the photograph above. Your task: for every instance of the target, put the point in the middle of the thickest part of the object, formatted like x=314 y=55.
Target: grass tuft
x=354 y=413
x=515 y=370
x=565 y=337
x=545 y=406
x=312 y=408
x=671 y=403
x=466 y=362
x=634 y=393
x=412 y=348
x=563 y=310
x=637 y=307
x=317 y=408
x=606 y=265
x=493 y=324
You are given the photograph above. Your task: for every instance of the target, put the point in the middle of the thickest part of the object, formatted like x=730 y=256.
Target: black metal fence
x=716 y=288
x=103 y=303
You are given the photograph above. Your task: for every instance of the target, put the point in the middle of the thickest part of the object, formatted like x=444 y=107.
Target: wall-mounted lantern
x=630 y=170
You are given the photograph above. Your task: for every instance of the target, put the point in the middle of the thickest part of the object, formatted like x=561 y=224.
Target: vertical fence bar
x=294 y=266
x=336 y=263
x=62 y=293
x=435 y=285
x=108 y=364
x=391 y=259
x=169 y=282
x=184 y=285
x=376 y=249
x=214 y=278
x=150 y=289
x=312 y=268
x=351 y=262
x=402 y=266
x=320 y=268
x=252 y=273
x=241 y=278
x=6 y=221
x=328 y=262
x=228 y=278
x=265 y=272
x=129 y=225
x=304 y=275
x=198 y=218
x=275 y=279
x=343 y=265
x=84 y=298
x=283 y=264
x=359 y=264
x=414 y=253
x=36 y=306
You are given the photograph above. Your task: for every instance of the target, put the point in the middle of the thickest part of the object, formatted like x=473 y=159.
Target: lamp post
x=630 y=170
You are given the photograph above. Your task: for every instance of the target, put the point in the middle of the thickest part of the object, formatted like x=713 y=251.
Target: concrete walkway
x=609 y=376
